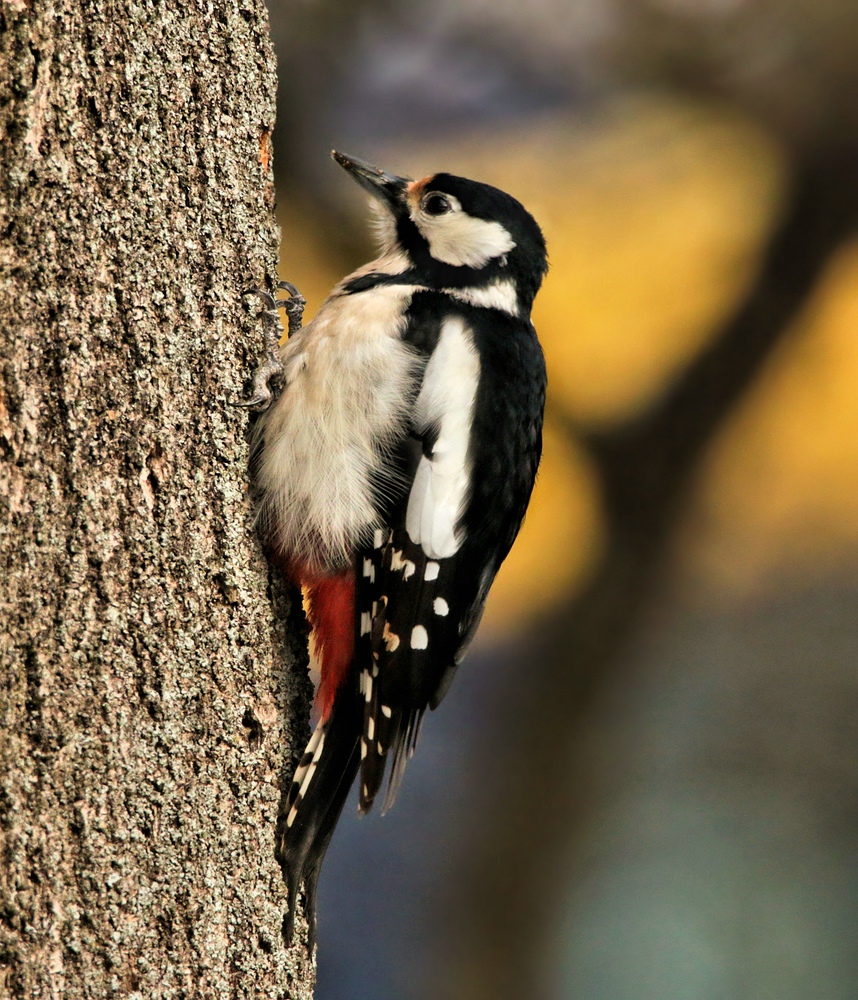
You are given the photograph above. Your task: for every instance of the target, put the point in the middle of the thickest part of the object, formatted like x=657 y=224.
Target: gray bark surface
x=146 y=694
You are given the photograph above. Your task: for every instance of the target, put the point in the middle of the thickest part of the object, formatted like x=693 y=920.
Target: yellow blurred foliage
x=305 y=253
x=559 y=541
x=653 y=242
x=778 y=499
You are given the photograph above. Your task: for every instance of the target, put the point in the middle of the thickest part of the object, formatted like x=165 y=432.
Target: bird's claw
x=293 y=306
x=270 y=366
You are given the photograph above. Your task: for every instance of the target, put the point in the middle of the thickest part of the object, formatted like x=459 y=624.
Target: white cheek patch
x=446 y=401
x=463 y=241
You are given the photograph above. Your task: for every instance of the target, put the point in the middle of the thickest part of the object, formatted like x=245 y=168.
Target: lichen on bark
x=147 y=689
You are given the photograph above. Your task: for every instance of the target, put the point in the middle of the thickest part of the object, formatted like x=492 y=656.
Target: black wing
x=418 y=612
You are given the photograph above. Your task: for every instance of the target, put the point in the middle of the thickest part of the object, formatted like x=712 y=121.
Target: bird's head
x=455 y=232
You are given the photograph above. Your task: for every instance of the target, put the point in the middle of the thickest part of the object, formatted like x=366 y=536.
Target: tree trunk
x=146 y=696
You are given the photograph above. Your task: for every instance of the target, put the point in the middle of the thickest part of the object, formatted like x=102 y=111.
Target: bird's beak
x=386 y=187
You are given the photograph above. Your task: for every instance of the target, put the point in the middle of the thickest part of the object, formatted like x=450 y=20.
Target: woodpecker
x=393 y=474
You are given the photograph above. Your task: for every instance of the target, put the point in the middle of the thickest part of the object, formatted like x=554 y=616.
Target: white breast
x=446 y=401
x=350 y=381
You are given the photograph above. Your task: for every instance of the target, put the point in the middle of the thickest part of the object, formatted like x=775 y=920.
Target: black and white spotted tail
x=316 y=798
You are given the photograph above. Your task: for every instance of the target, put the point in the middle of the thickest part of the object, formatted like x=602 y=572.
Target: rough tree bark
x=145 y=696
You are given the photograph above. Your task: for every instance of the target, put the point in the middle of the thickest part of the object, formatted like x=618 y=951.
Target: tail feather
x=314 y=802
x=305 y=771
x=389 y=735
x=403 y=747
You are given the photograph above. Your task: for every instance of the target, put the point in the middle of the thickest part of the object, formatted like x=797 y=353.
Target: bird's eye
x=436 y=204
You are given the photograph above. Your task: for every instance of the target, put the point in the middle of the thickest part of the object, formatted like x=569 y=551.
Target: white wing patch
x=446 y=401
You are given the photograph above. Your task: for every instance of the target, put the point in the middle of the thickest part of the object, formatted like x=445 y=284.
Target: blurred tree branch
x=507 y=884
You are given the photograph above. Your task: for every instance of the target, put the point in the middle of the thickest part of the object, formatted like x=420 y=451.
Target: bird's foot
x=270 y=366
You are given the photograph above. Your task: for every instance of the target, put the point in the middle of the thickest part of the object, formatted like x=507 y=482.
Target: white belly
x=350 y=382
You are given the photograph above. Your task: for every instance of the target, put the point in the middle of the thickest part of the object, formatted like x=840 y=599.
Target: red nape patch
x=331 y=609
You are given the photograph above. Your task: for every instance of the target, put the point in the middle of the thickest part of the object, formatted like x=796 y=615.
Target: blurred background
x=644 y=782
